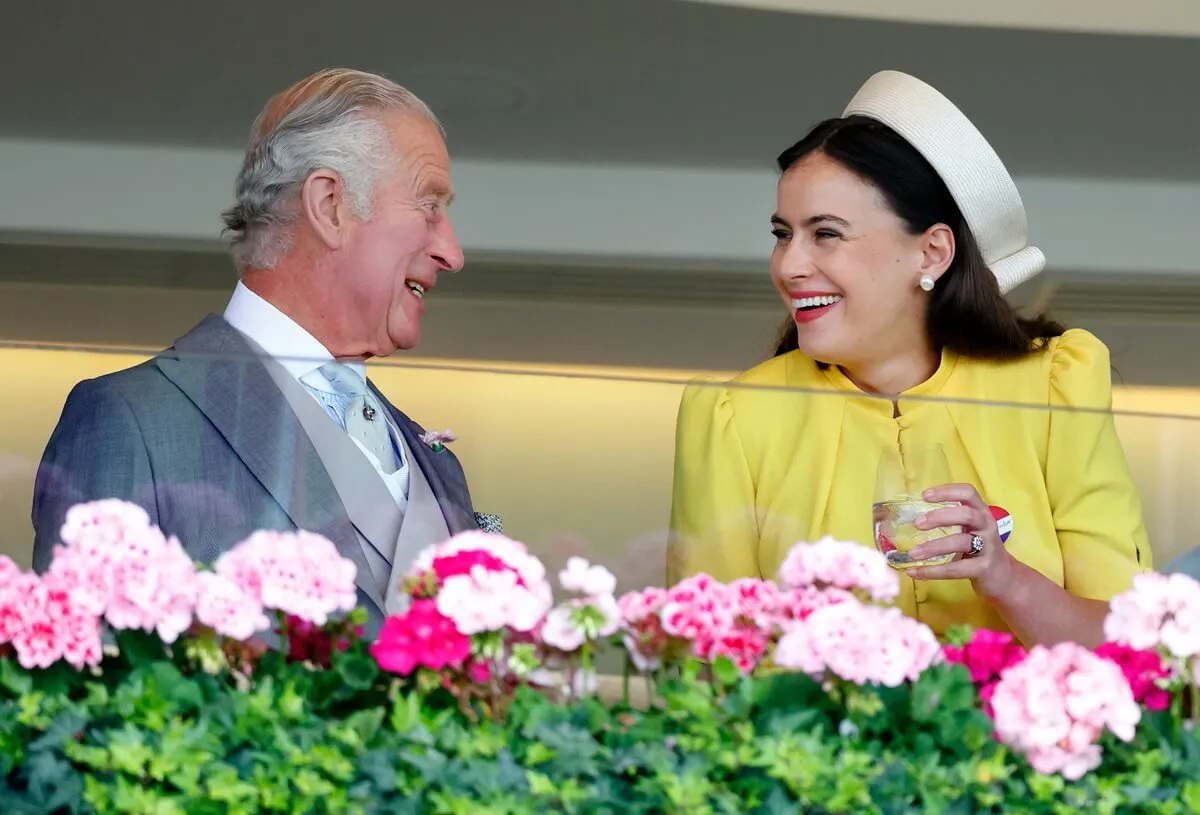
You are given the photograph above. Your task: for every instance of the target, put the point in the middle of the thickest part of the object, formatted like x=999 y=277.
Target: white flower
x=582 y=577
x=571 y=624
x=491 y=601
x=561 y=631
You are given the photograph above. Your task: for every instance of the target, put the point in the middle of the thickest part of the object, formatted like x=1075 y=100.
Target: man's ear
x=323 y=206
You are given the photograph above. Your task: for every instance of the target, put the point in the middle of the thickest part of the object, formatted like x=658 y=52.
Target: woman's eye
x=780 y=234
x=826 y=233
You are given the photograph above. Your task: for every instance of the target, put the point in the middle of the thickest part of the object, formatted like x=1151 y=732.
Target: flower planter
x=767 y=697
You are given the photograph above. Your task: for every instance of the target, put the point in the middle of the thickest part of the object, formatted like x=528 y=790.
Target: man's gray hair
x=328 y=121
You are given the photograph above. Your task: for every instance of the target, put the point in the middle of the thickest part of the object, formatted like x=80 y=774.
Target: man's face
x=389 y=262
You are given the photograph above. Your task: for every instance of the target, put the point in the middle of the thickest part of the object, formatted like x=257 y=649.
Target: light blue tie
x=356 y=410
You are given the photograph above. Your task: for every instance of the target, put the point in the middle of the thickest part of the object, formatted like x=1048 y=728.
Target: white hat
x=968 y=165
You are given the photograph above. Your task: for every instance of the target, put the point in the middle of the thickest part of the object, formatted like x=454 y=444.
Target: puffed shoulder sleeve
x=713 y=523
x=1097 y=510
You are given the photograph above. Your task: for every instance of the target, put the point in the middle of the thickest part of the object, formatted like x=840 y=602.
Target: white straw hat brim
x=972 y=171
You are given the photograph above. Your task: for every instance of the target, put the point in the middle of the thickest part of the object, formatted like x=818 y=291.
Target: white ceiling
x=636 y=81
x=1171 y=18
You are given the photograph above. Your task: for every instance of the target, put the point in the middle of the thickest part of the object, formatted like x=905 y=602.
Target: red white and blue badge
x=1004 y=522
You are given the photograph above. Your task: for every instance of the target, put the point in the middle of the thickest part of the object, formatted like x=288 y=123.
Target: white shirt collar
x=298 y=351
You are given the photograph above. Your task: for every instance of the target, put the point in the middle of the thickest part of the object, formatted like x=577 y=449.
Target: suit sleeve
x=96 y=451
x=714 y=526
x=1097 y=509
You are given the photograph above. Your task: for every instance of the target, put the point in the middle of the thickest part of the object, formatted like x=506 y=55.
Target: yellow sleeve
x=1097 y=510
x=713 y=521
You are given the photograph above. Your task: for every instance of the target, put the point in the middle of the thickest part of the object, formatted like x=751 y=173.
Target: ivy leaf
x=725 y=671
x=140 y=648
x=357 y=671
x=53 y=783
x=64 y=728
x=366 y=724
x=173 y=685
x=431 y=765
x=406 y=712
x=14 y=678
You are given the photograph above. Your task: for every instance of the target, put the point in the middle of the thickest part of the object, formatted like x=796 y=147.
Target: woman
x=897 y=232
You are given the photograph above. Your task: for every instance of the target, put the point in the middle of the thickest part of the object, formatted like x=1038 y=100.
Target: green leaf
x=1191 y=796
x=65 y=727
x=725 y=671
x=140 y=648
x=430 y=764
x=406 y=712
x=959 y=635
x=14 y=678
x=357 y=671
x=173 y=685
x=53 y=783
x=366 y=724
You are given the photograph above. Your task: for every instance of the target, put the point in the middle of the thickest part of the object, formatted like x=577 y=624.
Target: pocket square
x=489 y=522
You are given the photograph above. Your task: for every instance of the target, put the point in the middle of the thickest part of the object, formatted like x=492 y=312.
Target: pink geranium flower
x=298 y=573
x=227 y=608
x=484 y=582
x=1053 y=705
x=42 y=622
x=839 y=564
x=422 y=637
x=1143 y=670
x=859 y=643
x=116 y=565
x=987 y=656
x=1159 y=611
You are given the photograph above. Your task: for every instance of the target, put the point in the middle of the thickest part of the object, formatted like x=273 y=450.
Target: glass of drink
x=904 y=473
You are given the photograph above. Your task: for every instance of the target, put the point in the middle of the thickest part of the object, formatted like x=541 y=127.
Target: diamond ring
x=976 y=544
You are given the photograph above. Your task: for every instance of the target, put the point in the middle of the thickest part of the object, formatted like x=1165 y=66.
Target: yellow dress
x=789 y=451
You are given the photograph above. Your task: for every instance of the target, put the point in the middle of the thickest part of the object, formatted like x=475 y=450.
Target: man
x=263 y=417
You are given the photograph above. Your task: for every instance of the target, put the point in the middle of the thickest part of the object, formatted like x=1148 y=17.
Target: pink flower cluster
x=860 y=643
x=1145 y=672
x=43 y=623
x=1159 y=611
x=474 y=583
x=298 y=573
x=1053 y=705
x=115 y=564
x=838 y=564
x=645 y=639
x=484 y=582
x=422 y=637
x=824 y=626
x=987 y=656
x=709 y=618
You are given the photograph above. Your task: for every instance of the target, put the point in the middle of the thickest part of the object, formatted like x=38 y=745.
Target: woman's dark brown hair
x=967 y=313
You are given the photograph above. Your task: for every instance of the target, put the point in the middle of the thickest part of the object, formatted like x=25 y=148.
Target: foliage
x=741 y=704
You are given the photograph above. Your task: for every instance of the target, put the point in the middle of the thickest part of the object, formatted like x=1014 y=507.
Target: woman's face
x=847 y=268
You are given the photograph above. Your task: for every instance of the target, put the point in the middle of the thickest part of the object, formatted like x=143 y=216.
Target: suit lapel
x=454 y=503
x=226 y=379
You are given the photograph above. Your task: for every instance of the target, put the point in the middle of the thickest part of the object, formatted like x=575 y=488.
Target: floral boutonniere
x=437 y=439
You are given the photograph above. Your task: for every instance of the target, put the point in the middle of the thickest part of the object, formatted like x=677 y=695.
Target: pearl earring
x=926 y=282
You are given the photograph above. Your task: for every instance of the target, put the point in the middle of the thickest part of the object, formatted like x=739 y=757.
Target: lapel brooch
x=437 y=439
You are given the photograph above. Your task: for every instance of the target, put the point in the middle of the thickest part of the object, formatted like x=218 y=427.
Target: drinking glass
x=904 y=473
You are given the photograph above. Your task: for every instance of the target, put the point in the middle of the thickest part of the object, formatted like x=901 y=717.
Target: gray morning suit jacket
x=215 y=440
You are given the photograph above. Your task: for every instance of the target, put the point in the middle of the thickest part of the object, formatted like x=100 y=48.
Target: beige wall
x=579 y=462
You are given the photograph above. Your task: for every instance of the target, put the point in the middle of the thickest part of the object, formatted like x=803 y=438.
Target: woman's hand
x=991 y=569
